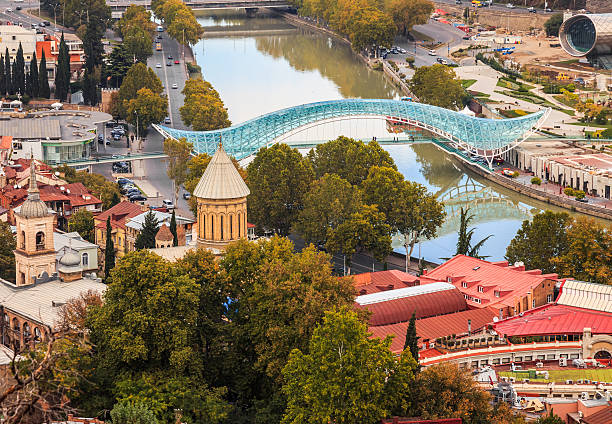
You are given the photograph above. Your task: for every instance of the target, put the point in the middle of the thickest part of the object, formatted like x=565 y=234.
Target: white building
x=12 y=35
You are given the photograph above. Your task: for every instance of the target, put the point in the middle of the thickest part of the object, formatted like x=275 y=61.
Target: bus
x=158 y=47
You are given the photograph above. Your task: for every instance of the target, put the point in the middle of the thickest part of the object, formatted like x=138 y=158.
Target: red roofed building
x=6 y=142
x=373 y=282
x=119 y=215
x=50 y=45
x=508 y=289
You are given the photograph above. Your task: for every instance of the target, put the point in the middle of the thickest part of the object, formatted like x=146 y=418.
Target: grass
x=568 y=62
x=537 y=100
x=604 y=375
x=467 y=83
x=420 y=36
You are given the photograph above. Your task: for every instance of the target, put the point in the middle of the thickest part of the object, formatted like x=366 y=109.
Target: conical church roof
x=221 y=180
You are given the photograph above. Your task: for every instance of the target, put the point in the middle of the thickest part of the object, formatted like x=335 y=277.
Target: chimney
x=469 y=327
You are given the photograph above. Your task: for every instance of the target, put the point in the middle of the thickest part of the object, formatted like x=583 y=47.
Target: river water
x=262 y=64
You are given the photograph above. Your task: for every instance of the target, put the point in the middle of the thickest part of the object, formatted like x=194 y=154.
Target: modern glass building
x=588 y=35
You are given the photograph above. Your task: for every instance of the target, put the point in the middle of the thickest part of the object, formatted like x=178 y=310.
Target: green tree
x=7 y=257
x=109 y=251
x=464 y=240
x=62 y=75
x=552 y=25
x=203 y=108
x=364 y=229
x=97 y=184
x=438 y=85
x=329 y=202
x=184 y=27
x=118 y=65
x=34 y=78
x=19 y=75
x=173 y=229
x=278 y=178
x=371 y=27
x=350 y=159
x=7 y=69
x=345 y=376
x=138 y=43
x=132 y=413
x=43 y=78
x=412 y=340
x=540 y=240
x=135 y=17
x=551 y=418
x=2 y=77
x=408 y=13
x=94 y=51
x=179 y=154
x=146 y=236
x=146 y=108
x=139 y=76
x=83 y=223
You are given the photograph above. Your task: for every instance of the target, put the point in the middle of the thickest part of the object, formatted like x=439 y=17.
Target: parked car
x=432 y=53
x=186 y=195
x=170 y=57
x=158 y=65
x=510 y=6
x=457 y=1
x=116 y=137
x=168 y=204
x=176 y=61
x=532 y=9
x=18 y=8
x=137 y=198
x=123 y=181
x=167 y=120
x=548 y=10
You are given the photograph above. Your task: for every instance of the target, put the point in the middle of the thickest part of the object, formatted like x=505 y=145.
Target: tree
x=146 y=236
x=203 y=108
x=135 y=17
x=408 y=13
x=62 y=75
x=179 y=153
x=19 y=74
x=412 y=340
x=7 y=257
x=83 y=223
x=97 y=184
x=278 y=179
x=538 y=241
x=118 y=65
x=43 y=78
x=34 y=80
x=445 y=391
x=173 y=229
x=2 y=77
x=364 y=229
x=146 y=108
x=109 y=251
x=138 y=44
x=589 y=252
x=464 y=241
x=551 y=418
x=184 y=27
x=371 y=27
x=139 y=76
x=329 y=202
x=345 y=376
x=94 y=51
x=437 y=85
x=132 y=413
x=7 y=69
x=552 y=25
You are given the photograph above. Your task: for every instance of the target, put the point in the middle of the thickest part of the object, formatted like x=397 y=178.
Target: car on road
x=583 y=200
x=167 y=120
x=175 y=85
x=186 y=195
x=18 y=8
x=34 y=26
x=123 y=181
x=9 y=10
x=158 y=65
x=169 y=63
x=176 y=61
x=510 y=6
x=100 y=139
x=116 y=137
x=432 y=53
x=137 y=198
x=548 y=10
x=168 y=204
x=532 y=9
x=107 y=142
x=170 y=57
x=457 y=1
x=466 y=37
x=47 y=23
x=442 y=61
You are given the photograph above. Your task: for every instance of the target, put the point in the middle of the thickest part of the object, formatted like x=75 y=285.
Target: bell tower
x=35 y=252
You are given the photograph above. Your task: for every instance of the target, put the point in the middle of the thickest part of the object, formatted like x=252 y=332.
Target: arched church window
x=40 y=240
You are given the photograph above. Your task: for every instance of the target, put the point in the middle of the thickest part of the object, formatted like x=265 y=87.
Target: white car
x=9 y=10
x=168 y=204
x=510 y=6
x=175 y=85
x=432 y=53
x=158 y=65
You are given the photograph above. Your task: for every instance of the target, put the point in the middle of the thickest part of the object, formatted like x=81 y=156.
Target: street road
x=520 y=8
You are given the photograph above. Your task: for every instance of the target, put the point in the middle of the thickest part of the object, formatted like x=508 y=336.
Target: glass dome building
x=587 y=35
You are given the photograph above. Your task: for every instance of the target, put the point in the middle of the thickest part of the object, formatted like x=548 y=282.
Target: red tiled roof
x=6 y=142
x=46 y=46
x=51 y=194
x=556 y=319
x=423 y=305
x=601 y=417
x=493 y=277
x=118 y=213
x=402 y=420
x=435 y=327
x=373 y=282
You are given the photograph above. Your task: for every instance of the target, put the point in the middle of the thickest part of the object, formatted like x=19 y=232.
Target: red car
x=176 y=61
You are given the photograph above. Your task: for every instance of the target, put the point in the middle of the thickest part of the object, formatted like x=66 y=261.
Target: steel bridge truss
x=486 y=138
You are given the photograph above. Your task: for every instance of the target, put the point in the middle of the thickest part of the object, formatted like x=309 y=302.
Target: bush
x=536 y=181
x=410 y=59
x=568 y=191
x=515 y=174
x=394 y=65
x=579 y=194
x=193 y=68
x=377 y=66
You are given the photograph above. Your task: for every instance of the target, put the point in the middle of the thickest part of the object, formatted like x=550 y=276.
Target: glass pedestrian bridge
x=486 y=138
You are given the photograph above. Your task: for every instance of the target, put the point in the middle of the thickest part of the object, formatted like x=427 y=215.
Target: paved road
x=496 y=6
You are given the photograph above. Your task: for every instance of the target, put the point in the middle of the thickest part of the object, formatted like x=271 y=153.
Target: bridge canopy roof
x=475 y=134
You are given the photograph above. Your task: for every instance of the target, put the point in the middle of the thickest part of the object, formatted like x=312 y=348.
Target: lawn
x=467 y=83
x=592 y=374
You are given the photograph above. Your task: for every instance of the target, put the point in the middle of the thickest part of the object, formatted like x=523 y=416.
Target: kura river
x=263 y=64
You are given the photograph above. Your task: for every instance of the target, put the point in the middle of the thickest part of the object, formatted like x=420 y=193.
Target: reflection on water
x=260 y=74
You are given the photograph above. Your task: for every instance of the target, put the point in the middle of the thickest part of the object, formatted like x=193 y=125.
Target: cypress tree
x=14 y=80
x=109 y=251
x=2 y=77
x=173 y=229
x=34 y=76
x=43 y=78
x=7 y=72
x=412 y=341
x=62 y=75
x=28 y=84
x=146 y=237
x=19 y=71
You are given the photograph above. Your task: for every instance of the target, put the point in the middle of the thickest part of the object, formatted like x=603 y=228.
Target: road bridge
x=122 y=5
x=78 y=163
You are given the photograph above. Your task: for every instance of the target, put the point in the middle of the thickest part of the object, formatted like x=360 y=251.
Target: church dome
x=70 y=259
x=33 y=209
x=221 y=180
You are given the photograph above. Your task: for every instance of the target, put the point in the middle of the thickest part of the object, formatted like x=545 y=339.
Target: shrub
x=377 y=66
x=579 y=194
x=193 y=68
x=536 y=181
x=410 y=59
x=515 y=174
x=568 y=191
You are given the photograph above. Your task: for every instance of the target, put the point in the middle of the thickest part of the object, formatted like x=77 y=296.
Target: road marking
x=168 y=88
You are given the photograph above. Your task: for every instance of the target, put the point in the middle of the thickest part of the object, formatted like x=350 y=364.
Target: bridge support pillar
x=251 y=11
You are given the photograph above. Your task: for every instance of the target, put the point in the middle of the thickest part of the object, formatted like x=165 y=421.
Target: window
x=37 y=335
x=231 y=220
x=85 y=259
x=476 y=300
x=16 y=326
x=23 y=240
x=212 y=227
x=533 y=303
x=549 y=298
x=203 y=226
x=26 y=331
x=496 y=293
x=550 y=357
x=464 y=285
x=221 y=222
x=40 y=240
x=480 y=289
x=239 y=227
